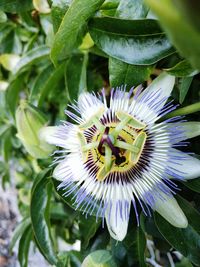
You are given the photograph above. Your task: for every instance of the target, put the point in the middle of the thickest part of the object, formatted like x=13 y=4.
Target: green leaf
x=72 y=28
x=88 y=228
x=70 y=200
x=190 y=11
x=99 y=258
x=5 y=30
x=12 y=93
x=129 y=9
x=24 y=245
x=75 y=75
x=182 y=69
x=109 y=8
x=121 y=73
x=6 y=145
x=15 y=6
x=40 y=82
x=4 y=128
x=193 y=184
x=139 y=42
x=180 y=31
x=3 y=17
x=110 y=4
x=70 y=258
x=19 y=231
x=184 y=88
x=32 y=57
x=135 y=243
x=39 y=210
x=184 y=263
x=58 y=10
x=185 y=240
x=50 y=83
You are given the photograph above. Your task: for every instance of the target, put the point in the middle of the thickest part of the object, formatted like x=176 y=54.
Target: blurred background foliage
x=50 y=52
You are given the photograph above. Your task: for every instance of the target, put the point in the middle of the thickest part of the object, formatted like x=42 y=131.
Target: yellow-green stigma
x=116 y=146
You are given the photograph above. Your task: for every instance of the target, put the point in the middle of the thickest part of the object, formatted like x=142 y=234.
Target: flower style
x=115 y=154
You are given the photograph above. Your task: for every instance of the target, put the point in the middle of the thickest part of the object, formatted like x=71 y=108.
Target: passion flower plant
x=116 y=154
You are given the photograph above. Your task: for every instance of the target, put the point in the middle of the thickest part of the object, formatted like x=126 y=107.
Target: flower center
x=115 y=146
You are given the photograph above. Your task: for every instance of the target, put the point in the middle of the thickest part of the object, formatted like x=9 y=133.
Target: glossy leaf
x=6 y=145
x=181 y=33
x=72 y=28
x=75 y=75
x=135 y=243
x=58 y=10
x=24 y=245
x=187 y=240
x=139 y=42
x=88 y=227
x=99 y=258
x=109 y=8
x=3 y=17
x=32 y=57
x=121 y=73
x=110 y=4
x=190 y=10
x=70 y=201
x=19 y=231
x=70 y=258
x=12 y=93
x=40 y=82
x=193 y=184
x=5 y=30
x=39 y=210
x=14 y=6
x=50 y=83
x=184 y=87
x=182 y=69
x=129 y=9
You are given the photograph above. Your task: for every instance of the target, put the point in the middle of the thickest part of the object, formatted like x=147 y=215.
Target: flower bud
x=99 y=258
x=29 y=121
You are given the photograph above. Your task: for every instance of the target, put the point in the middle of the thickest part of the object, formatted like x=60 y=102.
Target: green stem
x=35 y=165
x=184 y=111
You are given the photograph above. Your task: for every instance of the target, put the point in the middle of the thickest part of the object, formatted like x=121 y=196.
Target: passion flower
x=115 y=154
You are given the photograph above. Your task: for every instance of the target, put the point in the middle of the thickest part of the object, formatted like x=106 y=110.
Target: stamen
x=90 y=146
x=126 y=118
x=94 y=120
x=127 y=146
x=139 y=143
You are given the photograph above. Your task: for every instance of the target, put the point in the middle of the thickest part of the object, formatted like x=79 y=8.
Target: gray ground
x=9 y=217
x=8 y=221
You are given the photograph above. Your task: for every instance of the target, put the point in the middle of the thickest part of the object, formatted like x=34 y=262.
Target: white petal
x=165 y=83
x=188 y=167
x=117 y=225
x=48 y=133
x=169 y=209
x=64 y=136
x=151 y=101
x=62 y=170
x=119 y=100
x=117 y=211
x=187 y=130
x=71 y=167
x=89 y=105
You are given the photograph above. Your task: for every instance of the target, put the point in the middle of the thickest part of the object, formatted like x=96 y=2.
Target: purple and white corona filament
x=116 y=154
